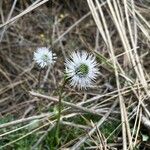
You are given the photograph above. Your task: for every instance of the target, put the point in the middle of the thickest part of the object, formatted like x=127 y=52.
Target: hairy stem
x=59 y=112
x=39 y=78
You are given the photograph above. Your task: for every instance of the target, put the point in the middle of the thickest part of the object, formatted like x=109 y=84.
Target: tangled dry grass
x=115 y=114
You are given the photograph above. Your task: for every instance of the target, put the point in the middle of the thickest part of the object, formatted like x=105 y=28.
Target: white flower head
x=44 y=57
x=81 y=69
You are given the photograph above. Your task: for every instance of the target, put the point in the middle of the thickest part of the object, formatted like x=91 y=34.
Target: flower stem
x=59 y=112
x=39 y=77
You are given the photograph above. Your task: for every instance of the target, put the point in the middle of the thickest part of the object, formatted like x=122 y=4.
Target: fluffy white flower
x=81 y=69
x=44 y=57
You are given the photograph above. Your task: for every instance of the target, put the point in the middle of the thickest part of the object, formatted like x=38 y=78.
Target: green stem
x=59 y=112
x=39 y=78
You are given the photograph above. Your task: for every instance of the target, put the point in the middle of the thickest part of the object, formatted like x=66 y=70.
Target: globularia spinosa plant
x=81 y=70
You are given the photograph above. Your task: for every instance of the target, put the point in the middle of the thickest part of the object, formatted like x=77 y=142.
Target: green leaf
x=145 y=137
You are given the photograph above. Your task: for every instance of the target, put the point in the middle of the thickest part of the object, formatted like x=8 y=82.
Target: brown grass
x=117 y=32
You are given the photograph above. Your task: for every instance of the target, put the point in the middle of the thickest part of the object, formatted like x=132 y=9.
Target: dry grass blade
x=112 y=55
x=114 y=9
x=29 y=9
x=67 y=103
x=101 y=121
x=24 y=120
